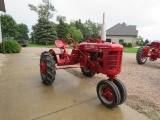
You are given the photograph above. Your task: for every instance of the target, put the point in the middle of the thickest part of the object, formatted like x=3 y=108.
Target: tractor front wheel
x=87 y=72
x=122 y=89
x=108 y=93
x=47 y=68
x=141 y=56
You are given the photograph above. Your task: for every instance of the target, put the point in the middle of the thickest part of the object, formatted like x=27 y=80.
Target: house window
x=121 y=40
x=108 y=40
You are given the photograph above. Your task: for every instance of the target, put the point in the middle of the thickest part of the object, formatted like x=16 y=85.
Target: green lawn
x=126 y=50
x=130 y=50
x=41 y=46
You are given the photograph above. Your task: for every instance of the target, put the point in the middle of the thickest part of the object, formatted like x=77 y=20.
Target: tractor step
x=71 y=66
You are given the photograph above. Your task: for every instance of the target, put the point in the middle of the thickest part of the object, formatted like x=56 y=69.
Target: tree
x=84 y=30
x=61 y=18
x=62 y=27
x=145 y=42
x=43 y=32
x=139 y=41
x=92 y=28
x=8 y=25
x=76 y=34
x=44 y=10
x=22 y=31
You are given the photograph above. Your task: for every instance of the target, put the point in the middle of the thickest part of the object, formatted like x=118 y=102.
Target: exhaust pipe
x=103 y=29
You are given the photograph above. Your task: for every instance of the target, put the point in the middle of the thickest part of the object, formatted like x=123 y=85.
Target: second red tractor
x=151 y=51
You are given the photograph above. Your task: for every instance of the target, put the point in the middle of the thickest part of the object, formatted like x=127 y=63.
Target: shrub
x=129 y=45
x=11 y=46
x=124 y=44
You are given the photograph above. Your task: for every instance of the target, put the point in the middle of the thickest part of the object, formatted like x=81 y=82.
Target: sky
x=142 y=13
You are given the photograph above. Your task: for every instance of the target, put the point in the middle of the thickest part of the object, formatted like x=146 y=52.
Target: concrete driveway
x=24 y=97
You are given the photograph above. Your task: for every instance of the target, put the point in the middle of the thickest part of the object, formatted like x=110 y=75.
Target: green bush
x=129 y=45
x=11 y=46
x=124 y=44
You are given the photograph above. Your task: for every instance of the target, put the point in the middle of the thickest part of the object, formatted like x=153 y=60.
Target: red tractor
x=151 y=50
x=93 y=56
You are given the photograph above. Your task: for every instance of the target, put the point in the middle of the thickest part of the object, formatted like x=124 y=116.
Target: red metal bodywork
x=95 y=55
x=153 y=51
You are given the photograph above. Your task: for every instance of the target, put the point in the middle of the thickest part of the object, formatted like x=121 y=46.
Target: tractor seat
x=61 y=44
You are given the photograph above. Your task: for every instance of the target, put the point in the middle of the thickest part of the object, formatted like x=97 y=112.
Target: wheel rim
x=143 y=56
x=106 y=94
x=43 y=67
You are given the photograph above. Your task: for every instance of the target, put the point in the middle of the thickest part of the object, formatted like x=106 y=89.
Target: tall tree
x=22 y=31
x=62 y=27
x=8 y=25
x=75 y=33
x=84 y=30
x=92 y=28
x=43 y=32
x=46 y=9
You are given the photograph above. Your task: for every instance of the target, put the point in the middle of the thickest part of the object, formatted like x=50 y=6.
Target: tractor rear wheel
x=47 y=68
x=108 y=93
x=141 y=56
x=87 y=72
x=122 y=89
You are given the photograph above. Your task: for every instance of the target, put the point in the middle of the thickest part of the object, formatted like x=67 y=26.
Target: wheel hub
x=43 y=67
x=143 y=56
x=107 y=93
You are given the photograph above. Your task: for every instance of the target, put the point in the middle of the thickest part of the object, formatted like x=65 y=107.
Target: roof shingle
x=120 y=29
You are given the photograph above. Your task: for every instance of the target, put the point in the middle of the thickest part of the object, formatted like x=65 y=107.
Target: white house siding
x=127 y=39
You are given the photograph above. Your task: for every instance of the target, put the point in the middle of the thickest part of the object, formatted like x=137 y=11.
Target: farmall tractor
x=93 y=56
x=151 y=51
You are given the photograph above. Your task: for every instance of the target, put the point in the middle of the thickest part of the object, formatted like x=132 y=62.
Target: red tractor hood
x=95 y=46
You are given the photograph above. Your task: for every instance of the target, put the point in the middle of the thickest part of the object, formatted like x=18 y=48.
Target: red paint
x=95 y=55
x=43 y=67
x=153 y=52
x=107 y=93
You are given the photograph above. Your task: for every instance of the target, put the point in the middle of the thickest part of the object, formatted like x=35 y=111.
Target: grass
x=126 y=50
x=130 y=50
x=41 y=46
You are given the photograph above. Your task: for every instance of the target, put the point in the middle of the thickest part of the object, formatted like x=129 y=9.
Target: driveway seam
x=64 y=109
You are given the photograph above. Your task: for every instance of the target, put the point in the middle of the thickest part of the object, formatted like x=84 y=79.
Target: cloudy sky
x=142 y=13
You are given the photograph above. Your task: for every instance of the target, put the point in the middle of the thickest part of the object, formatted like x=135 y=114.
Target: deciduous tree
x=46 y=9
x=75 y=33
x=92 y=28
x=22 y=31
x=8 y=25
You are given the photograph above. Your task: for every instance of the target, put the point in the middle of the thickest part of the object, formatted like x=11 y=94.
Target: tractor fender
x=54 y=54
x=146 y=49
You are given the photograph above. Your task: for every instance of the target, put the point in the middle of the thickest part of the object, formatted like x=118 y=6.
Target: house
x=122 y=33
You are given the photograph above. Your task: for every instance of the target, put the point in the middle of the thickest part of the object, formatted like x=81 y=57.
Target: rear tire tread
x=138 y=56
x=50 y=68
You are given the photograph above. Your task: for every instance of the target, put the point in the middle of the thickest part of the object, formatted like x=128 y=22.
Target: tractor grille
x=114 y=60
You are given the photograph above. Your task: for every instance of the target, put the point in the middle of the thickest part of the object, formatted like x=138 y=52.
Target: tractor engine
x=101 y=57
